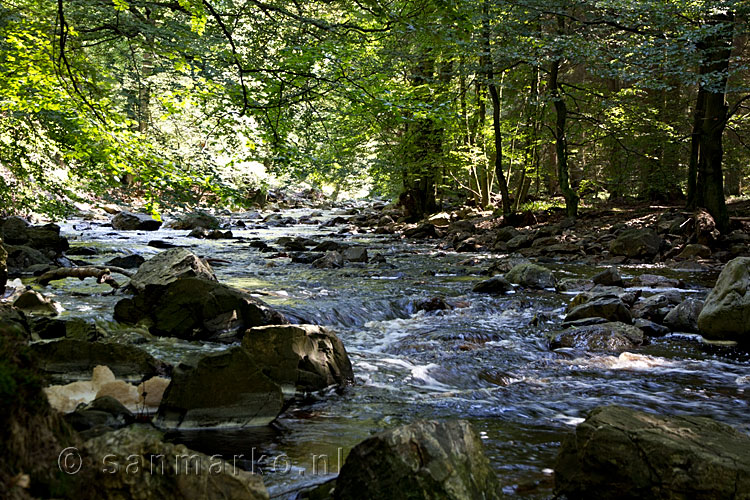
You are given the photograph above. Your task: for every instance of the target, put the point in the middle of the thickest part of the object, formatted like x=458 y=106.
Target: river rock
x=305 y=357
x=726 y=312
x=34 y=303
x=45 y=239
x=196 y=309
x=423 y=460
x=128 y=221
x=607 y=306
x=13 y=230
x=650 y=328
x=684 y=317
x=608 y=277
x=621 y=453
x=227 y=389
x=694 y=250
x=101 y=415
x=531 y=276
x=657 y=281
x=131 y=261
x=613 y=336
x=77 y=358
x=168 y=266
x=195 y=220
x=135 y=463
x=23 y=257
x=636 y=243
x=496 y=284
x=655 y=307
x=331 y=260
x=355 y=254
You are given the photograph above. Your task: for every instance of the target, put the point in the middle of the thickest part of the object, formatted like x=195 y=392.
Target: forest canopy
x=499 y=103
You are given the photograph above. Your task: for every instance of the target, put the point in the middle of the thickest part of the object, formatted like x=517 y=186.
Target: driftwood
x=102 y=274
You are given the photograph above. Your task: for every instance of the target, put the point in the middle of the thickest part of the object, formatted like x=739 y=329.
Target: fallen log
x=102 y=275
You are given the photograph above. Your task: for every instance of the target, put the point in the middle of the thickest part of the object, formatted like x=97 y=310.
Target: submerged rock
x=197 y=309
x=128 y=221
x=531 y=276
x=423 y=460
x=636 y=243
x=621 y=453
x=227 y=389
x=305 y=357
x=611 y=336
x=726 y=312
x=168 y=266
x=135 y=463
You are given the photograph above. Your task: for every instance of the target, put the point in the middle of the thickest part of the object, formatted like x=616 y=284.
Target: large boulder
x=226 y=389
x=46 y=239
x=684 y=317
x=168 y=266
x=423 y=460
x=612 y=336
x=726 y=312
x=128 y=221
x=609 y=277
x=135 y=463
x=77 y=358
x=495 y=285
x=621 y=453
x=636 y=243
x=22 y=257
x=531 y=276
x=609 y=307
x=197 y=309
x=195 y=220
x=305 y=357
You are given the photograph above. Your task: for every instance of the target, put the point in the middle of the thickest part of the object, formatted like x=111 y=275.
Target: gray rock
x=132 y=261
x=621 y=453
x=168 y=266
x=608 y=277
x=423 y=460
x=355 y=254
x=726 y=312
x=656 y=281
x=636 y=243
x=331 y=260
x=650 y=328
x=305 y=357
x=102 y=414
x=194 y=220
x=165 y=470
x=611 y=336
x=607 y=307
x=496 y=284
x=227 y=389
x=695 y=250
x=506 y=234
x=531 y=276
x=77 y=358
x=684 y=317
x=128 y=221
x=14 y=230
x=197 y=309
x=655 y=307
x=34 y=303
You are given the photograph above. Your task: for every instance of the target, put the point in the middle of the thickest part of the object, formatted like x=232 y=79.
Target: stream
x=486 y=361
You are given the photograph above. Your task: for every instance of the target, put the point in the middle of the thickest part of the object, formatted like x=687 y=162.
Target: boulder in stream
x=684 y=317
x=197 y=309
x=423 y=460
x=136 y=463
x=531 y=276
x=609 y=277
x=726 y=312
x=621 y=453
x=128 y=221
x=305 y=357
x=612 y=336
x=195 y=220
x=34 y=303
x=609 y=307
x=636 y=243
x=496 y=284
x=227 y=389
x=171 y=265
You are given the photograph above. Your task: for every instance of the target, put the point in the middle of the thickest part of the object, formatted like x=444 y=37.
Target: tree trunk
x=561 y=144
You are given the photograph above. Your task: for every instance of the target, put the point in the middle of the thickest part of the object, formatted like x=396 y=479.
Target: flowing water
x=486 y=360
